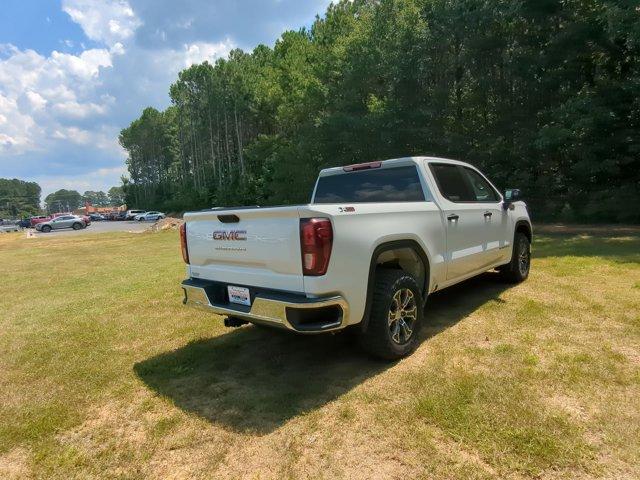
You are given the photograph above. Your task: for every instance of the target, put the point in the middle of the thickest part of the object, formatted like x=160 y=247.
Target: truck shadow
x=254 y=379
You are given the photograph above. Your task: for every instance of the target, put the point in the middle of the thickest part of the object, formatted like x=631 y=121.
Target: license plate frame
x=239 y=295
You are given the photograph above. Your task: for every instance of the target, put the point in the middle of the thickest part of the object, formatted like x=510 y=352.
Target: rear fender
x=379 y=250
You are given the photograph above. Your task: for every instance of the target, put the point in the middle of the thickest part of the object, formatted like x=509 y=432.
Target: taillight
x=183 y=242
x=316 y=240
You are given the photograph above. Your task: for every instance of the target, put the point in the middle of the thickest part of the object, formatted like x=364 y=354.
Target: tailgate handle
x=229 y=218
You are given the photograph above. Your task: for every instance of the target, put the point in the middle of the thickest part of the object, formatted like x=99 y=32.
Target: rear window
x=399 y=184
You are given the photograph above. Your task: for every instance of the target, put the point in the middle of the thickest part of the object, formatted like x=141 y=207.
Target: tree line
x=542 y=95
x=65 y=200
x=18 y=198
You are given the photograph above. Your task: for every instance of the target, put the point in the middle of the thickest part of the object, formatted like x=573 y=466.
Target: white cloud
x=39 y=95
x=117 y=49
x=200 y=51
x=16 y=127
x=55 y=98
x=74 y=110
x=105 y=21
x=36 y=100
x=84 y=66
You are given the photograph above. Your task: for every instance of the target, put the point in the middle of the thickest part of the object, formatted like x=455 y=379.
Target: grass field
x=103 y=374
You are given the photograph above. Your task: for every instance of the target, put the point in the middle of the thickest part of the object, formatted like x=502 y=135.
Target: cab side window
x=482 y=190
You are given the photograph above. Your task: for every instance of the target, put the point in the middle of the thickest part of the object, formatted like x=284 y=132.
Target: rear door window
x=451 y=182
x=397 y=184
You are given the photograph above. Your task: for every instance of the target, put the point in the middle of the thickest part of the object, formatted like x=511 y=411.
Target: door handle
x=453 y=217
x=487 y=214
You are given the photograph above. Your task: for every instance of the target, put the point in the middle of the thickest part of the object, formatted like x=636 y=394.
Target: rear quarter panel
x=356 y=236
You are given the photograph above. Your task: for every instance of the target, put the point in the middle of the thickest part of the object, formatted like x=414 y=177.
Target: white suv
x=131 y=214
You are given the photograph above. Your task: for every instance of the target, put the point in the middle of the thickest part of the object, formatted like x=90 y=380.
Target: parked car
x=131 y=214
x=86 y=218
x=39 y=219
x=64 y=221
x=115 y=216
x=375 y=241
x=97 y=217
x=10 y=225
x=148 y=216
x=25 y=223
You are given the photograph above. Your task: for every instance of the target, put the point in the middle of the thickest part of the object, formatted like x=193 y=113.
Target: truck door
x=464 y=221
x=495 y=217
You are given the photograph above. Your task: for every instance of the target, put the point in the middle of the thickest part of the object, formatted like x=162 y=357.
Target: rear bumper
x=284 y=310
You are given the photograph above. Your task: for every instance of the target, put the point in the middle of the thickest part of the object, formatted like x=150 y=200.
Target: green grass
x=103 y=373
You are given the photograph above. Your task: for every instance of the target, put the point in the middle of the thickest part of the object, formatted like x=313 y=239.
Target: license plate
x=239 y=295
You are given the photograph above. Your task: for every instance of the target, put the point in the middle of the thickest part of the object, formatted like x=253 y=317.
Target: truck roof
x=394 y=162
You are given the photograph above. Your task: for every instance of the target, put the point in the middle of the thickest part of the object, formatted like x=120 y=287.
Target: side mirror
x=511 y=195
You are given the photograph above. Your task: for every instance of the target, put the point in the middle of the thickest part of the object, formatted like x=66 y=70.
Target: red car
x=39 y=219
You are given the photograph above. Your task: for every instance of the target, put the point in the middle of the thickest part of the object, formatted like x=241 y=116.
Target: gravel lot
x=100 y=227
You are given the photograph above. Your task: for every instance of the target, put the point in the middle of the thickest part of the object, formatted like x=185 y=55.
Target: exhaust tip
x=233 y=322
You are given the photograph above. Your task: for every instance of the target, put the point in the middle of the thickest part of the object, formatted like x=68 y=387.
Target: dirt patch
x=569 y=405
x=14 y=464
x=168 y=223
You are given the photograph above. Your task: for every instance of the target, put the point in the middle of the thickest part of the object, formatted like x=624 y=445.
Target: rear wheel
x=396 y=316
x=517 y=270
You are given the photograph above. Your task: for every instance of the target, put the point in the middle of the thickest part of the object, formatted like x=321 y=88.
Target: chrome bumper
x=273 y=309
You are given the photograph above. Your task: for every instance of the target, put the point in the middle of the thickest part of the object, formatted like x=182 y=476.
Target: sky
x=73 y=73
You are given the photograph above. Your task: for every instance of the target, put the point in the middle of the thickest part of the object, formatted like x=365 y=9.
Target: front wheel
x=517 y=270
x=46 y=229
x=396 y=316
x=77 y=226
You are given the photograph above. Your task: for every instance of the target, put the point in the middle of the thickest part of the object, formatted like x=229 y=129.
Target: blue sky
x=75 y=72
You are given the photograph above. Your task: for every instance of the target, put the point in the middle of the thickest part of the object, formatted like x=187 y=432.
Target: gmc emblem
x=235 y=235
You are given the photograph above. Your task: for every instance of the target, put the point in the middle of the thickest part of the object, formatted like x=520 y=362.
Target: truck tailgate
x=261 y=248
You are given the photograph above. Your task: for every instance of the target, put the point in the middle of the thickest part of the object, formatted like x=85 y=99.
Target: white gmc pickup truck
x=375 y=241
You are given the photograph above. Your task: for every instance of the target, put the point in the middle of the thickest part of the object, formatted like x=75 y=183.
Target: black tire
x=379 y=338
x=76 y=226
x=46 y=229
x=517 y=270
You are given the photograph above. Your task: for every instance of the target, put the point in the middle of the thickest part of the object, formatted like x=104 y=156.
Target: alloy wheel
x=403 y=313
x=524 y=257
